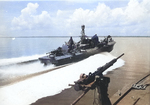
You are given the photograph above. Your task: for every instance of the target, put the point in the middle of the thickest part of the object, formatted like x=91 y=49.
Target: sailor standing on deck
x=70 y=44
x=95 y=40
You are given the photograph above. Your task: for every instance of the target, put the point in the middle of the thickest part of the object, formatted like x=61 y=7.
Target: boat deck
x=139 y=94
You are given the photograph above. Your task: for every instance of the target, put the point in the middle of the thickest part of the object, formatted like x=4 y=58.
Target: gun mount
x=97 y=81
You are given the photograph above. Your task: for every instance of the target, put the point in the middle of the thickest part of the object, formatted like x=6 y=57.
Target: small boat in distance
x=73 y=52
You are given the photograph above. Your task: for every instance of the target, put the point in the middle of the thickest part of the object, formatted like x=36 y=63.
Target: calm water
x=18 y=47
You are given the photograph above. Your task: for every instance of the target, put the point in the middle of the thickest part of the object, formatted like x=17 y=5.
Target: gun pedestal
x=102 y=88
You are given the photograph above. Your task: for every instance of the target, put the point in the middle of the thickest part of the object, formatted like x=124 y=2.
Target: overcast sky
x=65 y=17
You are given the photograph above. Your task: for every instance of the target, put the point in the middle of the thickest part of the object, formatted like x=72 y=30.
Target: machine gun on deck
x=96 y=80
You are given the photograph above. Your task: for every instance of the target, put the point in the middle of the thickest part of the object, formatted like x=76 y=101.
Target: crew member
x=95 y=40
x=70 y=44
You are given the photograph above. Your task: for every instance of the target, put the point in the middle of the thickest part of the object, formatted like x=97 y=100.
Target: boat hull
x=74 y=57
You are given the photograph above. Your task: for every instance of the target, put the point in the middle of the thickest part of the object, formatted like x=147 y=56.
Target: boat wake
x=17 y=69
x=44 y=84
x=20 y=60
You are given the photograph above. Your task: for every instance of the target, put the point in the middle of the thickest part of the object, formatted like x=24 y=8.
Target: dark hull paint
x=74 y=58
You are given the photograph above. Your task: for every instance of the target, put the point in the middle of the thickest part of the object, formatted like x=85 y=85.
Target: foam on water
x=18 y=67
x=11 y=61
x=10 y=73
x=51 y=83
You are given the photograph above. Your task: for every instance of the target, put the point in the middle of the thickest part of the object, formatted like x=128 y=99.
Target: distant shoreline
x=61 y=36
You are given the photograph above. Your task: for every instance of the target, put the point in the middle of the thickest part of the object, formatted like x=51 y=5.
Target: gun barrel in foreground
x=99 y=72
x=107 y=65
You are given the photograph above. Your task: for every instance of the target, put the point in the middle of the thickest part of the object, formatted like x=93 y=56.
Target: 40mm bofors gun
x=97 y=81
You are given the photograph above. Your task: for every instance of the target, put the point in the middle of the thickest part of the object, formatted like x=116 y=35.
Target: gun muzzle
x=120 y=56
x=71 y=84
